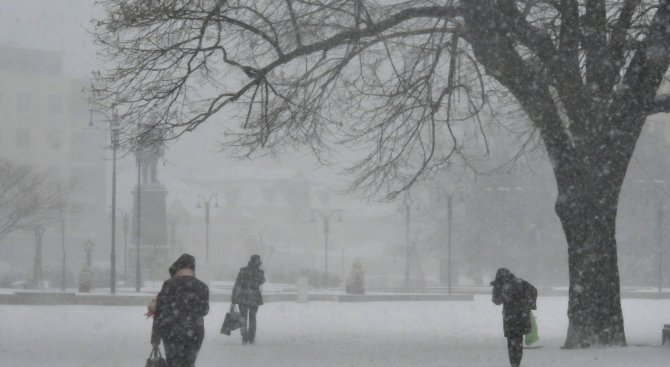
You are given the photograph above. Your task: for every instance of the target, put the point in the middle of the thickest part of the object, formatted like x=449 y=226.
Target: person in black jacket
x=518 y=297
x=247 y=294
x=179 y=314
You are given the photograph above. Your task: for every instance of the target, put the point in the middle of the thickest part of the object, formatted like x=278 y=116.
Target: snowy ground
x=327 y=334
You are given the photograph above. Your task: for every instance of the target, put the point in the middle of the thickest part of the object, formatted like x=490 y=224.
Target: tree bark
x=588 y=217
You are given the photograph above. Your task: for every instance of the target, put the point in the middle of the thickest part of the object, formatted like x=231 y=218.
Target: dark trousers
x=515 y=349
x=181 y=354
x=249 y=326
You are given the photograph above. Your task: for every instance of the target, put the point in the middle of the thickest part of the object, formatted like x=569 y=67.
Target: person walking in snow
x=247 y=294
x=518 y=297
x=179 y=313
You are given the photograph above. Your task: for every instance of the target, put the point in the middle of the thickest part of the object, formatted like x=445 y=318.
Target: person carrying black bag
x=518 y=297
x=247 y=294
x=181 y=306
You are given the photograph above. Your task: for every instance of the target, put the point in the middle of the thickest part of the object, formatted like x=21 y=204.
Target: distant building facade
x=44 y=123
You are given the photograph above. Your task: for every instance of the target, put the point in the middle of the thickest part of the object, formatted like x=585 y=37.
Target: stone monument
x=153 y=231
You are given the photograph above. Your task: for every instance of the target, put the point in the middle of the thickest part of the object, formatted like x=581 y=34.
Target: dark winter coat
x=247 y=289
x=181 y=306
x=518 y=297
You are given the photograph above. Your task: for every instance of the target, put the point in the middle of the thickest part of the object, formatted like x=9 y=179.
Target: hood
x=184 y=261
x=503 y=275
x=255 y=261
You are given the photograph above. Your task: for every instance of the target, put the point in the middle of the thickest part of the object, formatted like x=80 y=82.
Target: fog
x=447 y=235
x=498 y=219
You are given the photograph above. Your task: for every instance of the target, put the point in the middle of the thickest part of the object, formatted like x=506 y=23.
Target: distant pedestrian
x=179 y=314
x=518 y=297
x=247 y=294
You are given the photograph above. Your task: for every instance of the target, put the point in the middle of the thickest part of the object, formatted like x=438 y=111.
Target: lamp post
x=138 y=275
x=659 y=239
x=206 y=204
x=124 y=218
x=325 y=218
x=125 y=249
x=38 y=274
x=449 y=227
x=114 y=128
x=61 y=218
x=407 y=231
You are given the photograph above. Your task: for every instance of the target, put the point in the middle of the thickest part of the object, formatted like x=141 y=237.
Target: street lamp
x=325 y=218
x=407 y=247
x=450 y=229
x=124 y=216
x=38 y=273
x=138 y=274
x=206 y=203
x=659 y=239
x=114 y=128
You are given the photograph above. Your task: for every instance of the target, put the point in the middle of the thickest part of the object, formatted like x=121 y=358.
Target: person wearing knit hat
x=181 y=306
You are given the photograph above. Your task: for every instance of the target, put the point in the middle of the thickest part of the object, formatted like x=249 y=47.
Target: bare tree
x=28 y=198
x=413 y=84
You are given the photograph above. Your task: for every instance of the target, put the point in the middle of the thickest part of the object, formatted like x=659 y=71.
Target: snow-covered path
x=326 y=334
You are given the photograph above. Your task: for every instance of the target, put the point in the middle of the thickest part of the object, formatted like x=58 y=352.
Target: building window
x=23 y=102
x=54 y=139
x=23 y=138
x=55 y=103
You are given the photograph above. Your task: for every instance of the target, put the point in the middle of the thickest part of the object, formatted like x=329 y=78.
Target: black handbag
x=155 y=358
x=232 y=321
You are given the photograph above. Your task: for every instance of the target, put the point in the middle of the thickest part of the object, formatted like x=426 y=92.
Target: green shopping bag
x=532 y=337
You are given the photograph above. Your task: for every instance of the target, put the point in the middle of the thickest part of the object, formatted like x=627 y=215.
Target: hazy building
x=44 y=123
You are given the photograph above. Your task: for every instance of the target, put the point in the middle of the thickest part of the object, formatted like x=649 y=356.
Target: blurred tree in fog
x=29 y=198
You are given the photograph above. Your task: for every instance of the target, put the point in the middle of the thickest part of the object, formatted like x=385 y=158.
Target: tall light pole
x=61 y=215
x=449 y=222
x=114 y=128
x=38 y=274
x=206 y=204
x=659 y=239
x=125 y=249
x=138 y=275
x=407 y=254
x=325 y=218
x=124 y=218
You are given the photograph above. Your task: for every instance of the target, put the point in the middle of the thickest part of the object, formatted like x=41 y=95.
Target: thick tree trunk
x=588 y=214
x=589 y=153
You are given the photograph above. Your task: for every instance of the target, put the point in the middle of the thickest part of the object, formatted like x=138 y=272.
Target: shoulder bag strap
x=155 y=353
